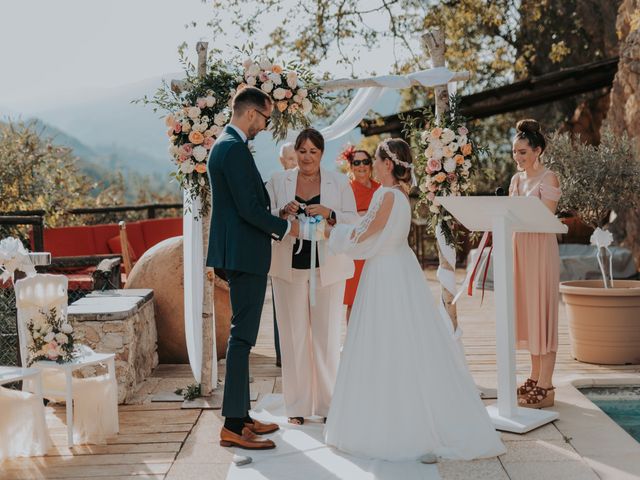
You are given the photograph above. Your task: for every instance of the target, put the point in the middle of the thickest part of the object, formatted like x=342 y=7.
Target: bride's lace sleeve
x=358 y=240
x=375 y=219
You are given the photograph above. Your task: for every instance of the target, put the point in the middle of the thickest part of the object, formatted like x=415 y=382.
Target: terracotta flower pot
x=604 y=324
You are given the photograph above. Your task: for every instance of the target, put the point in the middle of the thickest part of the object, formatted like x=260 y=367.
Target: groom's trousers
x=247 y=293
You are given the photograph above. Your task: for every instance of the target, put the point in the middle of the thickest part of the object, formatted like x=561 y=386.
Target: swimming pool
x=621 y=403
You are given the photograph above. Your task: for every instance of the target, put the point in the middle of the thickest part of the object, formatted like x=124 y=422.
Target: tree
x=36 y=174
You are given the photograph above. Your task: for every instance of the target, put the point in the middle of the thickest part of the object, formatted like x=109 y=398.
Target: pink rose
x=187 y=149
x=263 y=76
x=462 y=131
x=451 y=176
x=431 y=196
x=182 y=159
x=208 y=142
x=177 y=128
x=434 y=165
x=51 y=350
x=433 y=187
x=201 y=103
x=288 y=94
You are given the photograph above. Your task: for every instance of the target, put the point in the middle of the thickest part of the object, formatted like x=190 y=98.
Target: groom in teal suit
x=242 y=228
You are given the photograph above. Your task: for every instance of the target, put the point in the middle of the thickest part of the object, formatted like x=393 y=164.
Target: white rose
x=454 y=146
x=447 y=135
x=194 y=112
x=267 y=86
x=292 y=80
x=199 y=153
x=437 y=153
x=279 y=93
x=220 y=119
x=297 y=98
x=49 y=337
x=467 y=164
x=306 y=106
x=434 y=208
x=186 y=126
x=66 y=328
x=449 y=165
x=265 y=64
x=204 y=120
x=216 y=130
x=201 y=127
x=462 y=140
x=302 y=92
x=173 y=150
x=253 y=70
x=187 y=167
x=251 y=81
x=247 y=62
x=436 y=143
x=275 y=78
x=424 y=136
x=211 y=101
x=62 y=339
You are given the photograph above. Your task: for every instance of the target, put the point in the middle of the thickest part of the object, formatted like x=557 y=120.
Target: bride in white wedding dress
x=403 y=388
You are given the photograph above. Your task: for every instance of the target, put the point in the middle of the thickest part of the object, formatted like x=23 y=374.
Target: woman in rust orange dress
x=360 y=172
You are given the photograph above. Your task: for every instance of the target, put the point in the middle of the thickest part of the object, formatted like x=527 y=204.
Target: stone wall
x=120 y=322
x=624 y=111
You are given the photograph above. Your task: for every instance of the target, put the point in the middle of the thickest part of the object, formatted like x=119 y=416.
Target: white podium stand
x=503 y=216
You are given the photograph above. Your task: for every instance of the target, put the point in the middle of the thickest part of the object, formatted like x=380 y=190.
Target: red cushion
x=101 y=236
x=156 y=230
x=69 y=241
x=116 y=247
x=136 y=239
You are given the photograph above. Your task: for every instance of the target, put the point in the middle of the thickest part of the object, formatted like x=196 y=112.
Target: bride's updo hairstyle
x=529 y=130
x=399 y=152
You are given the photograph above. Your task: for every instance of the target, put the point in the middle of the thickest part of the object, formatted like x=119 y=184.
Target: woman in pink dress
x=536 y=263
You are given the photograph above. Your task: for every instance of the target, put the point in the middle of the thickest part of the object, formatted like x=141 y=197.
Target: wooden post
x=434 y=41
x=207 y=298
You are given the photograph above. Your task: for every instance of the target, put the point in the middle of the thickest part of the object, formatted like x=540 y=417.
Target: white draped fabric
x=194 y=264
x=359 y=106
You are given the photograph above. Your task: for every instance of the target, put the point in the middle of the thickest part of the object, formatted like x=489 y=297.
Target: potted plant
x=598 y=182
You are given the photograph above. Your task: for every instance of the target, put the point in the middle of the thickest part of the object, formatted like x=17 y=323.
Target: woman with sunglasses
x=363 y=186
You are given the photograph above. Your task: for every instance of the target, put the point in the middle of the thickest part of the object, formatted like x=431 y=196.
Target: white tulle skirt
x=403 y=388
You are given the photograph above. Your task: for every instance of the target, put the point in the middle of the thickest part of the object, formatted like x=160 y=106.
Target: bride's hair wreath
x=399 y=152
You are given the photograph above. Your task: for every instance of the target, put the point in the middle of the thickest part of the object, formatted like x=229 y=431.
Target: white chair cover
x=23 y=429
x=95 y=399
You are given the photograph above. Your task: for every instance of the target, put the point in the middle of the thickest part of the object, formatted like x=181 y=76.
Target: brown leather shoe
x=260 y=428
x=248 y=440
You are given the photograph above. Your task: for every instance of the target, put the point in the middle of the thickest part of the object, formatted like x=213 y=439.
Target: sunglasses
x=267 y=120
x=357 y=163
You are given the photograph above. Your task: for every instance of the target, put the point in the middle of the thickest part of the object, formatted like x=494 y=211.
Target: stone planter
x=604 y=324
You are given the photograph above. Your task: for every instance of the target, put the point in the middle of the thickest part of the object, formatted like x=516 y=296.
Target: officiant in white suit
x=309 y=334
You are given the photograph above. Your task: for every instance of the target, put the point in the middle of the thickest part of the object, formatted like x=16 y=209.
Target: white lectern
x=504 y=216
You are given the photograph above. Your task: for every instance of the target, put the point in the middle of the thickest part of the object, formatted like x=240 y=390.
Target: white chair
x=23 y=428
x=96 y=398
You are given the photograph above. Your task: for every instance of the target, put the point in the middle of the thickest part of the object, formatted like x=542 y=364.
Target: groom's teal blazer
x=242 y=225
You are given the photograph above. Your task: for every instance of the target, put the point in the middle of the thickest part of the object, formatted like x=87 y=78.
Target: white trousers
x=309 y=342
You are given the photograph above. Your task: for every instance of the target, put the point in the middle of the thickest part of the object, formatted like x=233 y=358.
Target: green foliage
x=595 y=180
x=190 y=392
x=35 y=174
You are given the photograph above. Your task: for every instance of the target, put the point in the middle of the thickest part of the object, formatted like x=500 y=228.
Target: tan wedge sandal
x=526 y=387
x=538 y=397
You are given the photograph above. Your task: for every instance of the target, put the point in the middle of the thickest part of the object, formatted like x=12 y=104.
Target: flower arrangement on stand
x=50 y=338
x=13 y=256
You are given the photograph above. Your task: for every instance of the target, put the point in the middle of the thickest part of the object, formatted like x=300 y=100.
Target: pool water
x=621 y=403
